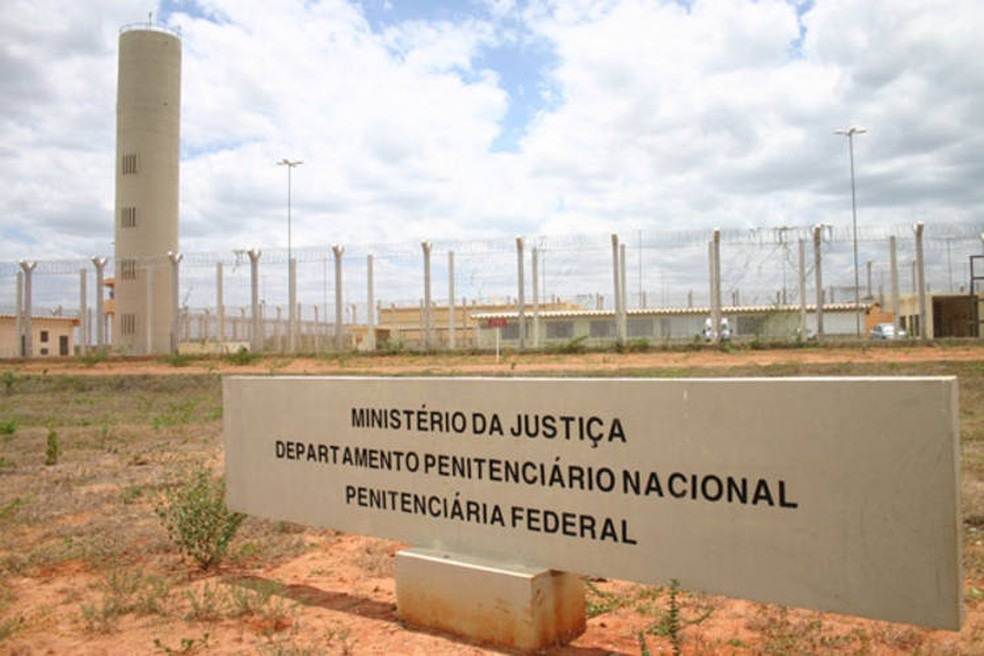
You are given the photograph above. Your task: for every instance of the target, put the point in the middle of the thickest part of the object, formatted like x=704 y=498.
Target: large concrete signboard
x=834 y=494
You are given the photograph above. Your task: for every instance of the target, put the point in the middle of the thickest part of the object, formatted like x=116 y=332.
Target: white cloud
x=659 y=116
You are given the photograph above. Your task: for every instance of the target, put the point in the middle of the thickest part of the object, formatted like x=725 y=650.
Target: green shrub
x=9 y=377
x=392 y=346
x=573 y=346
x=242 y=357
x=94 y=357
x=197 y=519
x=7 y=428
x=52 y=449
x=177 y=359
x=10 y=626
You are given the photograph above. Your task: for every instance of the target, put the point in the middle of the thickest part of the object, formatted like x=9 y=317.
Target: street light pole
x=290 y=166
x=849 y=133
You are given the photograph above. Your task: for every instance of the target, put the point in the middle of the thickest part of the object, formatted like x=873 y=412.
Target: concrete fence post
x=337 y=250
x=175 y=259
x=818 y=277
x=622 y=324
x=801 y=253
x=426 y=308
x=370 y=306
x=616 y=283
x=292 y=305
x=220 y=333
x=100 y=264
x=256 y=334
x=921 y=280
x=28 y=342
x=19 y=322
x=893 y=260
x=83 y=313
x=451 y=303
x=535 y=269
x=714 y=254
x=521 y=299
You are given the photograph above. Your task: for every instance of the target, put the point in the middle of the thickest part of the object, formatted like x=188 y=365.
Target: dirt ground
x=510 y=363
x=331 y=593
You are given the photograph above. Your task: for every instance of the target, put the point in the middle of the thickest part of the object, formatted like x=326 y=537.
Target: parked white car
x=886 y=331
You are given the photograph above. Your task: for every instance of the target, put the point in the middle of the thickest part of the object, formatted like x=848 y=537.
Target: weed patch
x=92 y=358
x=243 y=357
x=208 y=604
x=572 y=346
x=599 y=602
x=10 y=626
x=8 y=509
x=197 y=519
x=9 y=378
x=126 y=591
x=52 y=448
x=185 y=646
x=670 y=622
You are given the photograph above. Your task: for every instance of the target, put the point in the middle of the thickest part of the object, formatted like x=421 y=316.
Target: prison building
x=51 y=336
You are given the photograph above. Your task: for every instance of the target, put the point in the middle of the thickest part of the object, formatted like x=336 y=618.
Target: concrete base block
x=517 y=607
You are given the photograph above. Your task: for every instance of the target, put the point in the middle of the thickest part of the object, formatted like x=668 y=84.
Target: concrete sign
x=838 y=494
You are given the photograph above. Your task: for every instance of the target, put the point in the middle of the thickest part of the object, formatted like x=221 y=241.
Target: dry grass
x=124 y=438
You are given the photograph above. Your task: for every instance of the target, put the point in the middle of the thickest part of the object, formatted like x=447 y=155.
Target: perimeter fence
x=337 y=286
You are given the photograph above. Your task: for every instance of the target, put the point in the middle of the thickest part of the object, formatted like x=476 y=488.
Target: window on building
x=128 y=217
x=128 y=324
x=604 y=328
x=510 y=330
x=749 y=325
x=44 y=351
x=128 y=269
x=639 y=327
x=44 y=336
x=560 y=329
x=129 y=163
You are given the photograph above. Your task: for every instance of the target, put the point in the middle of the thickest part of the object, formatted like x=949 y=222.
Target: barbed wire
x=937 y=236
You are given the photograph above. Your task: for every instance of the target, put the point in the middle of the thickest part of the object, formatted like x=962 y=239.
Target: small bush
x=126 y=591
x=573 y=346
x=94 y=357
x=242 y=357
x=392 y=346
x=207 y=604
x=177 y=359
x=9 y=378
x=187 y=646
x=7 y=428
x=197 y=519
x=52 y=449
x=10 y=626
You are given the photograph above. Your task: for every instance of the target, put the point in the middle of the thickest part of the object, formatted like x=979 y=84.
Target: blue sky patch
x=521 y=60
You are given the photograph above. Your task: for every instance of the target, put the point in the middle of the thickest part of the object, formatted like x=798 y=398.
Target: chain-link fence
x=338 y=288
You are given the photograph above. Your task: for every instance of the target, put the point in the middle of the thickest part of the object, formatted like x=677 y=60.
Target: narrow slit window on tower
x=128 y=217
x=128 y=324
x=129 y=163
x=128 y=269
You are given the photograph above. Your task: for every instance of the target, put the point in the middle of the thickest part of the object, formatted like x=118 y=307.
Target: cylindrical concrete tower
x=148 y=118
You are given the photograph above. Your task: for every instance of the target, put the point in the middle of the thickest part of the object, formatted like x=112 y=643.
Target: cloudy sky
x=466 y=119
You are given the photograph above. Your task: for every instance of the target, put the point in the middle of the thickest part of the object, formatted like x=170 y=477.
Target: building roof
x=669 y=312
x=43 y=317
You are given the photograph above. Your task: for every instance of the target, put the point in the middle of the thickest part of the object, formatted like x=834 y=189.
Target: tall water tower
x=148 y=117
